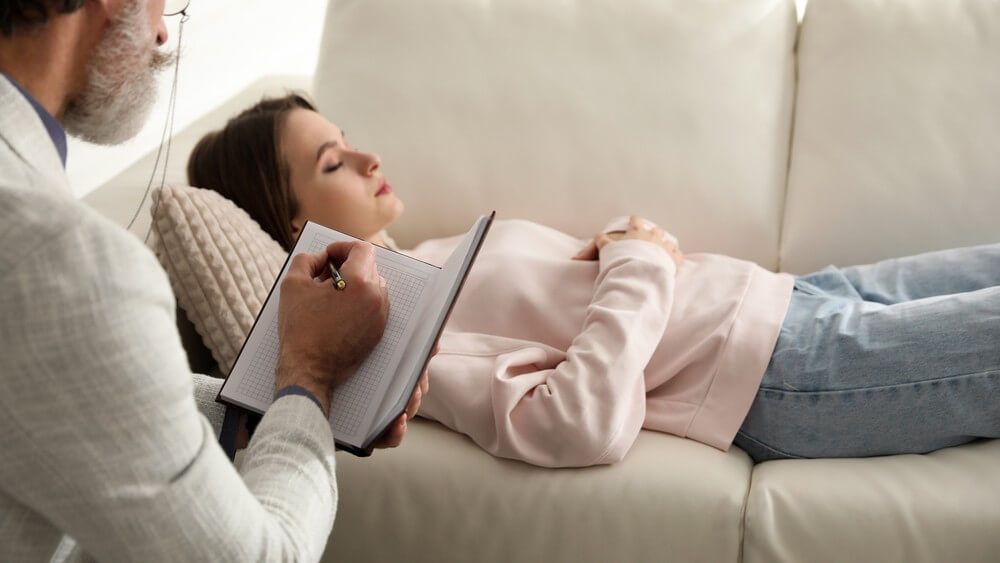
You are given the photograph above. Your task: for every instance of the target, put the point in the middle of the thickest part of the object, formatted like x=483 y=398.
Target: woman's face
x=335 y=185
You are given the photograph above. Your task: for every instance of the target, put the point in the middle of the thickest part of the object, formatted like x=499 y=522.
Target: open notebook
x=420 y=299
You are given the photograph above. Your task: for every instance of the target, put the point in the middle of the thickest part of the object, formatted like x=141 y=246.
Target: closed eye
x=333 y=168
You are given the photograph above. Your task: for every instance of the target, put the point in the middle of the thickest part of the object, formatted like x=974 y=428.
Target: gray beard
x=121 y=82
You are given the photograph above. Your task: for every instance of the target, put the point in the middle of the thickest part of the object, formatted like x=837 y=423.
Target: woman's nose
x=372 y=163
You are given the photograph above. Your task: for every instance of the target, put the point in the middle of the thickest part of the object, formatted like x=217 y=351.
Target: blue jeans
x=901 y=356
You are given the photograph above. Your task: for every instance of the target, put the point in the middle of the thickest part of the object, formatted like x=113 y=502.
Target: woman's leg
x=931 y=274
x=850 y=378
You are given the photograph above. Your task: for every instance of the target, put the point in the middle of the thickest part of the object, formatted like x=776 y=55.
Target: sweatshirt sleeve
x=578 y=407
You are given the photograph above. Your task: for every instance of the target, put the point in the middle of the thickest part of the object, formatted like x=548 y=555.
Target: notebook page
x=251 y=383
x=440 y=296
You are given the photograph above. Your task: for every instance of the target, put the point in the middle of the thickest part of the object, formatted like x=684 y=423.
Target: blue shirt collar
x=55 y=130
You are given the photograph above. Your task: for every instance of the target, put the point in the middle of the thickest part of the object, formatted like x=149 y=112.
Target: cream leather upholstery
x=896 y=131
x=943 y=506
x=440 y=498
x=571 y=111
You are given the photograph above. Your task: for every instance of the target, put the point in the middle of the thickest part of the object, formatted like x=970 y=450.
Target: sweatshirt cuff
x=631 y=249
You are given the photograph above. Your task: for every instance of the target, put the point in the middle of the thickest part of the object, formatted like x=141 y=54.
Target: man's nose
x=161 y=32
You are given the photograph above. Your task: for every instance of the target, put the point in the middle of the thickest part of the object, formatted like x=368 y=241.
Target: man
x=103 y=452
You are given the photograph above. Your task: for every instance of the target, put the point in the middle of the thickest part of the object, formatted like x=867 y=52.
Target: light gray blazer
x=101 y=441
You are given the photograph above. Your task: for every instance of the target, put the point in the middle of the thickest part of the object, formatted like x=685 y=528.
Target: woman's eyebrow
x=323 y=147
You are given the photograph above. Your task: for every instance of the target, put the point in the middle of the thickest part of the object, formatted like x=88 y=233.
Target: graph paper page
x=354 y=404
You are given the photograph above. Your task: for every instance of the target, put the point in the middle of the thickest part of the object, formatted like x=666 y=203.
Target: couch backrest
x=896 y=146
x=570 y=112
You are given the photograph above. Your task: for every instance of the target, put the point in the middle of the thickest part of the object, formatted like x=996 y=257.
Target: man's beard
x=121 y=81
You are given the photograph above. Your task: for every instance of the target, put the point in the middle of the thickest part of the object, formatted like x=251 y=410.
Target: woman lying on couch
x=593 y=340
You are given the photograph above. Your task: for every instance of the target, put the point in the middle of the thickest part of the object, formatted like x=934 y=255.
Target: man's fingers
x=339 y=251
x=355 y=259
x=394 y=436
x=414 y=403
x=307 y=264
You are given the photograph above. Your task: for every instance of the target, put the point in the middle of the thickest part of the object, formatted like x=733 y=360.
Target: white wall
x=228 y=44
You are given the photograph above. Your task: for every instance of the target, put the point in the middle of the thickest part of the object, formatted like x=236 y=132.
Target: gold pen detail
x=338 y=281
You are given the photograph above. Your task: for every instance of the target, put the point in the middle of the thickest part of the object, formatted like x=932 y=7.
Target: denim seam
x=878 y=387
x=767 y=447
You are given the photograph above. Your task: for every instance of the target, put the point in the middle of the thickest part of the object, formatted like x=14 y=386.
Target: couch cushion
x=896 y=131
x=439 y=498
x=571 y=112
x=943 y=506
x=221 y=264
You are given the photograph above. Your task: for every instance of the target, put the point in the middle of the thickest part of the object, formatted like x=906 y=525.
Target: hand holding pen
x=325 y=335
x=338 y=281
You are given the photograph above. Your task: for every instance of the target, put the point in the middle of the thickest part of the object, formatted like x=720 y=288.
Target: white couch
x=872 y=130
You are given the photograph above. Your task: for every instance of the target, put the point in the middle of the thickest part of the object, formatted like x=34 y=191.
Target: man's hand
x=393 y=436
x=325 y=334
x=638 y=229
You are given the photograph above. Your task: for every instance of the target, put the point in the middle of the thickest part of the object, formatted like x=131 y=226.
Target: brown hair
x=243 y=162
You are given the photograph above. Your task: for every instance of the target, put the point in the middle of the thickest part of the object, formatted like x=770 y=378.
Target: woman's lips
x=385 y=189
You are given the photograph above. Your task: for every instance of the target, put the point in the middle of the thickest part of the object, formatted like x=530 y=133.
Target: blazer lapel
x=23 y=131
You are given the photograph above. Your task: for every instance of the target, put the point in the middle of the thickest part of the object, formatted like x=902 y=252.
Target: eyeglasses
x=175 y=7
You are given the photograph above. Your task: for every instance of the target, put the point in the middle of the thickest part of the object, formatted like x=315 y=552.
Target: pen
x=338 y=281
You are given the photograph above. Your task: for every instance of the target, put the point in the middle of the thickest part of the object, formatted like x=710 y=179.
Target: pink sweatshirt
x=559 y=362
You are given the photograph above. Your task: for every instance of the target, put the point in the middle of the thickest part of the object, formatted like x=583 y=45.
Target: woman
x=895 y=357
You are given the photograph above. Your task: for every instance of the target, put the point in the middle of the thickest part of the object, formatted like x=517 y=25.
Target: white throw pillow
x=221 y=264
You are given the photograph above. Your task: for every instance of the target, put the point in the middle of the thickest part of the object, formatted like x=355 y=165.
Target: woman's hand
x=638 y=229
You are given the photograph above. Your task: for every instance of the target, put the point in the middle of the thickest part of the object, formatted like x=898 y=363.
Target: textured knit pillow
x=220 y=262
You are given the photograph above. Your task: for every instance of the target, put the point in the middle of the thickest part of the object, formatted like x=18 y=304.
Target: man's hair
x=243 y=162
x=15 y=14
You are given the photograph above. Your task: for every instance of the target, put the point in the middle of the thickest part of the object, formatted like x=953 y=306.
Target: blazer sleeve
x=102 y=436
x=578 y=407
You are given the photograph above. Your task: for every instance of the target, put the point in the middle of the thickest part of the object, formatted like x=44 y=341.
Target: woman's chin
x=396 y=211
x=389 y=214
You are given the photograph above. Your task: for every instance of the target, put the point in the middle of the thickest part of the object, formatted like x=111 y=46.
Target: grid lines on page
x=260 y=381
x=352 y=399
